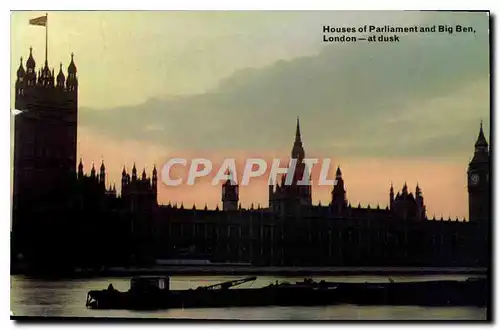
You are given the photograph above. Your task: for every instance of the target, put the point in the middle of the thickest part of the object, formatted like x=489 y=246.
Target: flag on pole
x=41 y=21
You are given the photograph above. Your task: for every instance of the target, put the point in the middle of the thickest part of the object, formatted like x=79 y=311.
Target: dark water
x=31 y=297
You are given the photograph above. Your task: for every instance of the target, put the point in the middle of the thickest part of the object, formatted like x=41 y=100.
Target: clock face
x=474 y=179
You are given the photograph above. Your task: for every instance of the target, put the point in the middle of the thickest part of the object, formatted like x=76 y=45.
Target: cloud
x=358 y=94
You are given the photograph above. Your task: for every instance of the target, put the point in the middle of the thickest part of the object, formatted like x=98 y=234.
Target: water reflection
x=31 y=297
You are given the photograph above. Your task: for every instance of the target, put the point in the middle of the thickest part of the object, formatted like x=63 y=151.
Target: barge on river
x=153 y=292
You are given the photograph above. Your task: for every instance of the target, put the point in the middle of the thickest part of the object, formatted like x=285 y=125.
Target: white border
x=180 y=5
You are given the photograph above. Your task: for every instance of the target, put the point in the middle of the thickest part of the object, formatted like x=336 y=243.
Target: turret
x=102 y=174
x=419 y=199
x=124 y=178
x=339 y=201
x=92 y=171
x=271 y=195
x=30 y=70
x=72 y=81
x=391 y=197
x=20 y=82
x=404 y=192
x=230 y=194
x=46 y=79
x=154 y=184
x=134 y=173
x=80 y=170
x=60 y=77
x=154 y=180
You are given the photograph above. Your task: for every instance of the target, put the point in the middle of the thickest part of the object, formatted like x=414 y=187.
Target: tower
x=271 y=195
x=230 y=194
x=339 y=202
x=297 y=191
x=139 y=193
x=478 y=180
x=134 y=173
x=102 y=174
x=391 y=197
x=80 y=170
x=45 y=135
x=419 y=200
x=154 y=185
x=290 y=197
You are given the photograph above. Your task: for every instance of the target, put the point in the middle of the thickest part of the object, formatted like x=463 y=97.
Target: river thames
x=35 y=297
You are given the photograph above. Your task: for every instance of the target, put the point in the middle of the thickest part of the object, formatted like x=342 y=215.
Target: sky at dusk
x=157 y=85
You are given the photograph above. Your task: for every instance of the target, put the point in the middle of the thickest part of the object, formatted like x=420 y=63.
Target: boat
x=153 y=292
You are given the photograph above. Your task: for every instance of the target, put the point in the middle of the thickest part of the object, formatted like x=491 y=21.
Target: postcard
x=251 y=165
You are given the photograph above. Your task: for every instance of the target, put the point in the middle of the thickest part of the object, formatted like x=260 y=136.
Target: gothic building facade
x=45 y=133
x=292 y=196
x=58 y=209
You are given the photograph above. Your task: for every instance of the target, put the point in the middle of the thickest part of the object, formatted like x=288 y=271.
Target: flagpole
x=46 y=36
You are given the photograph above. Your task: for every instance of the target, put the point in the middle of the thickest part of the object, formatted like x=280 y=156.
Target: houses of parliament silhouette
x=64 y=218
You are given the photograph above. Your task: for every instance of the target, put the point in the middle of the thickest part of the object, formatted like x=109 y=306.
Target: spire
x=134 y=172
x=92 y=172
x=20 y=71
x=72 y=81
x=102 y=166
x=144 y=174
x=405 y=189
x=124 y=172
x=339 y=172
x=481 y=140
x=72 y=66
x=154 y=178
x=297 y=132
x=298 y=150
x=60 y=77
x=80 y=168
x=30 y=63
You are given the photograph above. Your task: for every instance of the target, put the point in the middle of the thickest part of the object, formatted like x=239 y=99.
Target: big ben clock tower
x=478 y=181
